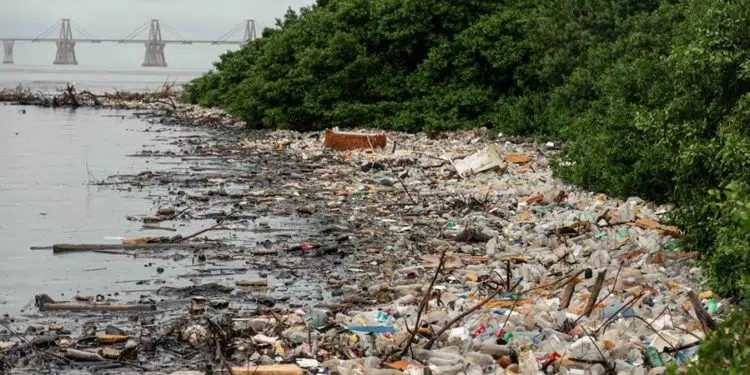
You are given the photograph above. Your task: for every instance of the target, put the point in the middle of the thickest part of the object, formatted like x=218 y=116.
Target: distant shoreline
x=162 y=105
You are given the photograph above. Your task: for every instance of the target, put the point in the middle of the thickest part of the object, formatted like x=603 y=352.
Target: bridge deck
x=124 y=41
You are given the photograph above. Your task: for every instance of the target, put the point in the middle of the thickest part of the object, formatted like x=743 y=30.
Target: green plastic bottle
x=712 y=306
x=653 y=358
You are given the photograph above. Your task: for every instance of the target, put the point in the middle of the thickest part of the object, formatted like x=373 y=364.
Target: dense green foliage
x=651 y=96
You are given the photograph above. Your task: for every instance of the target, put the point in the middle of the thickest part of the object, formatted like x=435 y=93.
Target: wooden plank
x=268 y=370
x=595 y=293
x=707 y=324
x=569 y=289
x=73 y=248
x=94 y=307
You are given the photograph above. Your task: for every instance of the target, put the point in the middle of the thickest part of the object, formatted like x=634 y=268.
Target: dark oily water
x=51 y=162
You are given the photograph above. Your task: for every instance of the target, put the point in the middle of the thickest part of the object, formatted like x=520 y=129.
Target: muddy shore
x=327 y=259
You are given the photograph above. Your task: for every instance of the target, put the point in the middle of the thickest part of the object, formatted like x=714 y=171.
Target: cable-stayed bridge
x=154 y=42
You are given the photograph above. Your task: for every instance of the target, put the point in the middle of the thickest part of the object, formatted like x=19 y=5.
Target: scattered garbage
x=481 y=161
x=446 y=255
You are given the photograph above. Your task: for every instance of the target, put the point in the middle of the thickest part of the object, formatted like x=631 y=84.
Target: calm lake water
x=47 y=158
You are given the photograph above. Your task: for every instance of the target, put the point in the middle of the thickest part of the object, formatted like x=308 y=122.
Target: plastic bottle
x=480 y=359
x=528 y=364
x=653 y=357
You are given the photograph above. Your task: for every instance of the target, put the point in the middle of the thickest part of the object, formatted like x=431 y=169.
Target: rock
x=44 y=341
x=307 y=209
x=387 y=181
x=112 y=330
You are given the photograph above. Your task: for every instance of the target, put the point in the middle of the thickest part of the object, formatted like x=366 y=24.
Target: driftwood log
x=95 y=307
x=71 y=248
x=595 y=293
x=707 y=324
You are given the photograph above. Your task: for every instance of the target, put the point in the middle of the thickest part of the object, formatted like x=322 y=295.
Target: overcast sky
x=192 y=19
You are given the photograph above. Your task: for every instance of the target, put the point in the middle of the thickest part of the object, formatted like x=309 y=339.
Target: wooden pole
x=707 y=324
x=595 y=293
x=94 y=307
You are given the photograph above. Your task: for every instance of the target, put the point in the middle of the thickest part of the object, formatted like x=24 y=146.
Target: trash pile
x=492 y=266
x=443 y=253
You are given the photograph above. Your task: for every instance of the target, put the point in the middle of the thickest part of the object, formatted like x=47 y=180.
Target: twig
x=602 y=216
x=31 y=345
x=176 y=215
x=219 y=223
x=671 y=319
x=156 y=227
x=589 y=361
x=683 y=347
x=484 y=302
x=614 y=224
x=510 y=312
x=613 y=285
x=424 y=303
x=508 y=273
x=604 y=359
x=198 y=233
x=400 y=181
x=644 y=321
x=448 y=158
x=463 y=315
x=621 y=309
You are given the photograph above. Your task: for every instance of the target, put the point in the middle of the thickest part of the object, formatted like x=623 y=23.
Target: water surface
x=47 y=159
x=49 y=78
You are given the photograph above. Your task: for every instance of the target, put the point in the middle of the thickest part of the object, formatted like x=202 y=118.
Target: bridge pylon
x=154 y=47
x=249 y=31
x=66 y=52
x=8 y=51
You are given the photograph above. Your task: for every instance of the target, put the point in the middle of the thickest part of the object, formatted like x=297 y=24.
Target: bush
x=651 y=96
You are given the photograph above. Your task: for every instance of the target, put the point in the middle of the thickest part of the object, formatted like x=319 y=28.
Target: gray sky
x=192 y=19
